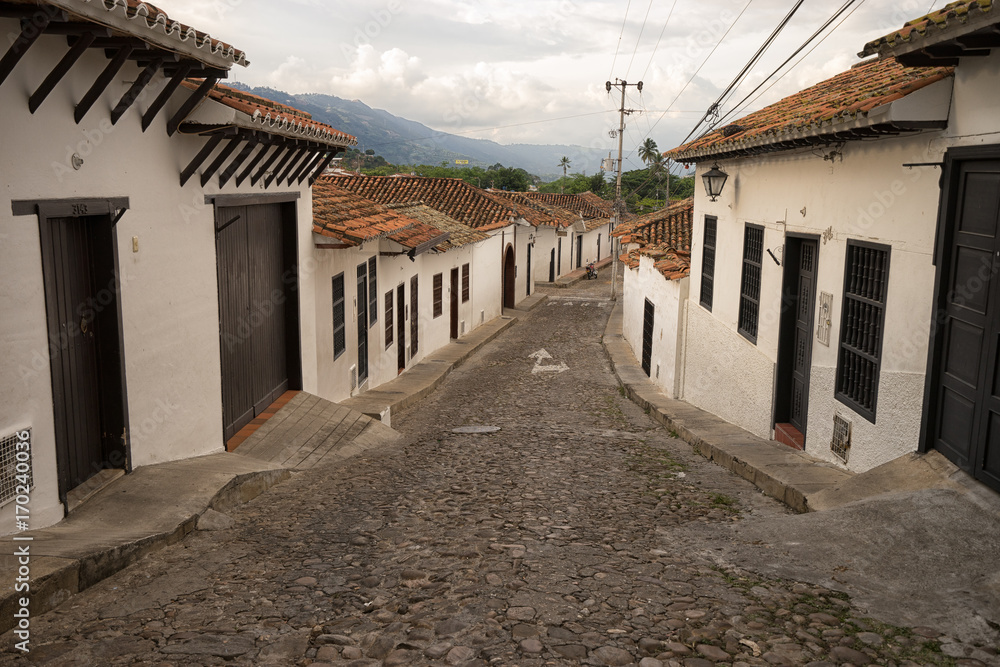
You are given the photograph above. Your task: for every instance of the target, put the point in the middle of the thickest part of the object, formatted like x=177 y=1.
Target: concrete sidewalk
x=420 y=380
x=797 y=479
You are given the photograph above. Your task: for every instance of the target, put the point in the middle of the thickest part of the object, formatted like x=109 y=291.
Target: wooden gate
x=258 y=309
x=81 y=300
x=964 y=388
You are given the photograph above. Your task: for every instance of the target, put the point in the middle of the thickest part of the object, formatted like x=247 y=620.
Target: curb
x=783 y=473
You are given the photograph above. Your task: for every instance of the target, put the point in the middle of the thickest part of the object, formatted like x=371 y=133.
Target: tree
x=564 y=163
x=648 y=152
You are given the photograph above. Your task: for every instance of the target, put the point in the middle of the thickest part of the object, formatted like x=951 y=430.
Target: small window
x=866 y=281
x=708 y=263
x=339 y=322
x=465 y=283
x=438 y=294
x=389 y=331
x=753 y=254
x=372 y=292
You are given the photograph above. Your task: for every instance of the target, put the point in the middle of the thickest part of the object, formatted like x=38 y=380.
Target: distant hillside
x=402 y=141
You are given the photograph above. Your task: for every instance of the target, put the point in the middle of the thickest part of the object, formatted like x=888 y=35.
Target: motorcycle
x=591 y=271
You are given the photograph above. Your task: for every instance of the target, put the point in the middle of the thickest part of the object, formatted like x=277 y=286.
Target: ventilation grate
x=841 y=443
x=8 y=465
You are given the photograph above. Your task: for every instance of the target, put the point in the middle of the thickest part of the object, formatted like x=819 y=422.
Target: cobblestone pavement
x=558 y=540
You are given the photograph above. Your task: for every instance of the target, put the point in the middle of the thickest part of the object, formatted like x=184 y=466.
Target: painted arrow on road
x=540 y=356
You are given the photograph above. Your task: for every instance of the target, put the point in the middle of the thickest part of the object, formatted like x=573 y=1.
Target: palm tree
x=564 y=163
x=648 y=151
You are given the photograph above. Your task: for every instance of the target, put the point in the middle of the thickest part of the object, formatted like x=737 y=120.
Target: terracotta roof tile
x=461 y=234
x=276 y=117
x=535 y=212
x=671 y=225
x=148 y=18
x=453 y=197
x=587 y=204
x=845 y=97
x=352 y=219
x=931 y=26
x=668 y=261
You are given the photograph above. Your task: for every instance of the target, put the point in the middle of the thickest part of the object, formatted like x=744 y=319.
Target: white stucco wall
x=168 y=300
x=668 y=298
x=866 y=195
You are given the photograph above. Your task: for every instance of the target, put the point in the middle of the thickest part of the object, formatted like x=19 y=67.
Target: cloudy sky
x=534 y=71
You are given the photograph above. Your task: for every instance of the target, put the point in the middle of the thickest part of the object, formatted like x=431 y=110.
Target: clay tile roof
x=668 y=261
x=420 y=233
x=352 y=219
x=847 y=97
x=535 y=212
x=150 y=23
x=587 y=205
x=671 y=225
x=451 y=196
x=934 y=26
x=275 y=117
x=460 y=234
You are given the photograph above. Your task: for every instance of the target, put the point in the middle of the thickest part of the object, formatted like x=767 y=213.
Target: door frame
x=787 y=268
x=950 y=182
x=114 y=208
x=509 y=278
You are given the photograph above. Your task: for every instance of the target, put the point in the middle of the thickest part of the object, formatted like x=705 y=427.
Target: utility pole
x=616 y=217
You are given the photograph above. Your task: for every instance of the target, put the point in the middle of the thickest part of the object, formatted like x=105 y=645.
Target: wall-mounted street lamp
x=715 y=180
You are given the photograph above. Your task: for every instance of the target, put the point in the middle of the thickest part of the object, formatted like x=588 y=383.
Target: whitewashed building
x=841 y=299
x=150 y=236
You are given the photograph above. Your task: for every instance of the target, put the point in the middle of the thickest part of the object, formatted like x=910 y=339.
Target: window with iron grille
x=708 y=263
x=339 y=321
x=372 y=292
x=465 y=283
x=389 y=330
x=414 y=317
x=866 y=280
x=753 y=255
x=438 y=294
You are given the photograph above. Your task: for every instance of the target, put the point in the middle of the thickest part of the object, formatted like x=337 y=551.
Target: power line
x=740 y=109
x=797 y=51
x=622 y=34
x=714 y=108
x=639 y=39
x=662 y=30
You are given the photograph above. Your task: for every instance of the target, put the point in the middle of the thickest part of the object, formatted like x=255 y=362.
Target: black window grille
x=866 y=280
x=372 y=292
x=438 y=294
x=414 y=317
x=389 y=330
x=465 y=283
x=708 y=263
x=753 y=254
x=339 y=321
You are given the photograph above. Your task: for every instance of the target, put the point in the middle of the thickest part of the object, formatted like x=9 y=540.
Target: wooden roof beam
x=135 y=90
x=102 y=82
x=282 y=150
x=220 y=159
x=245 y=174
x=168 y=90
x=322 y=166
x=78 y=48
x=292 y=154
x=306 y=166
x=31 y=30
x=252 y=141
x=190 y=103
x=202 y=155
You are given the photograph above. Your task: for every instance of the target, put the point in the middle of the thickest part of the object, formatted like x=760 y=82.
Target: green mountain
x=402 y=141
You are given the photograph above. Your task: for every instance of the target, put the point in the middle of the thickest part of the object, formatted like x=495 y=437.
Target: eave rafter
x=82 y=36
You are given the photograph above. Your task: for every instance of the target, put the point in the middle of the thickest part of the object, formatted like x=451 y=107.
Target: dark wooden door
x=454 y=303
x=401 y=328
x=552 y=266
x=527 y=274
x=598 y=248
x=81 y=299
x=414 y=318
x=795 y=332
x=967 y=406
x=559 y=258
x=579 y=251
x=647 y=337
x=362 y=322
x=257 y=310
x=508 y=279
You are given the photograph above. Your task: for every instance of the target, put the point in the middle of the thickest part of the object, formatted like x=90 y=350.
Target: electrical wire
x=797 y=51
x=662 y=30
x=713 y=109
x=620 y=35
x=639 y=39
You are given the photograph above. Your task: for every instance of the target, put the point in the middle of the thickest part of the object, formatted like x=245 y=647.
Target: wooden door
x=81 y=299
x=258 y=317
x=414 y=318
x=559 y=258
x=401 y=327
x=966 y=413
x=508 y=279
x=527 y=274
x=647 y=337
x=796 y=332
x=453 y=301
x=552 y=266
x=579 y=251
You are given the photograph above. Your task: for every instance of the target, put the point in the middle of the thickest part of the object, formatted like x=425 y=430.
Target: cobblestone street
x=563 y=538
